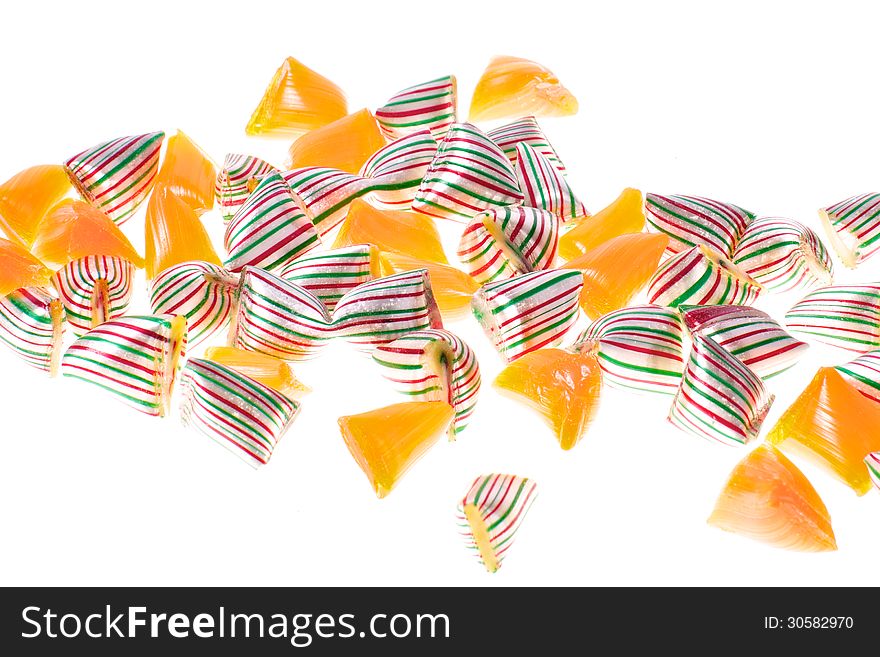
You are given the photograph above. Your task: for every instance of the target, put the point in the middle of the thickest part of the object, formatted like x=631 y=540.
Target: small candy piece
x=345 y=144
x=873 y=462
x=408 y=233
x=639 y=348
x=26 y=198
x=202 y=292
x=387 y=441
x=750 y=334
x=863 y=374
x=452 y=288
x=18 y=268
x=833 y=425
x=701 y=277
x=238 y=412
x=766 y=498
x=528 y=312
x=563 y=387
x=188 y=172
x=268 y=370
x=297 y=100
x=616 y=271
x=278 y=318
x=427 y=106
x=511 y=86
x=326 y=194
x=491 y=513
x=853 y=226
x=525 y=131
x=330 y=274
x=93 y=290
x=544 y=187
x=783 y=255
x=236 y=180
x=135 y=358
x=385 y=309
x=434 y=365
x=469 y=174
x=398 y=168
x=692 y=220
x=32 y=326
x=505 y=242
x=117 y=176
x=845 y=316
x=270 y=229
x=626 y=214
x=719 y=398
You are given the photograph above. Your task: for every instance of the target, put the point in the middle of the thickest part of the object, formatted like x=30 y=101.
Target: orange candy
x=18 y=268
x=268 y=370
x=27 y=196
x=344 y=144
x=626 y=214
x=452 y=287
x=188 y=172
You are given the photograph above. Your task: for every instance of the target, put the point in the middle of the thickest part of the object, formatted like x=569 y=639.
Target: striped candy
x=278 y=318
x=491 y=513
x=872 y=460
x=505 y=242
x=427 y=106
x=385 y=309
x=269 y=230
x=783 y=255
x=326 y=193
x=692 y=220
x=525 y=131
x=94 y=289
x=117 y=176
x=329 y=275
x=241 y=414
x=135 y=358
x=434 y=365
x=719 y=398
x=32 y=326
x=863 y=373
x=639 y=348
x=747 y=333
x=530 y=311
x=469 y=174
x=544 y=187
x=234 y=181
x=853 y=226
x=200 y=291
x=845 y=316
x=398 y=168
x=701 y=277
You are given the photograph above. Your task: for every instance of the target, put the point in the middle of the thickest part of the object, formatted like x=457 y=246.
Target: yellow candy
x=27 y=196
x=625 y=215
x=344 y=144
x=188 y=172
x=268 y=370
x=452 y=287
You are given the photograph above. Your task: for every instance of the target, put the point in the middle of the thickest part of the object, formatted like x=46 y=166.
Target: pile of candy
x=342 y=244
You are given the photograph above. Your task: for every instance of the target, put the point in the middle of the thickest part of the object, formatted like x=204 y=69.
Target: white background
x=771 y=106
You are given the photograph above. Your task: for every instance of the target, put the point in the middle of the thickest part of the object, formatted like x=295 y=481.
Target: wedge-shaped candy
x=639 y=348
x=544 y=187
x=434 y=365
x=330 y=274
x=616 y=271
x=506 y=242
x=625 y=215
x=767 y=499
x=268 y=370
x=202 y=292
x=326 y=194
x=297 y=100
x=278 y=318
x=469 y=174
x=693 y=220
x=719 y=398
x=853 y=226
x=700 y=277
x=134 y=358
x=94 y=289
x=490 y=514
x=345 y=144
x=452 y=288
x=845 y=316
x=18 y=268
x=236 y=180
x=385 y=309
x=32 y=327
x=528 y=312
x=387 y=441
x=427 y=106
x=747 y=333
x=398 y=168
x=392 y=231
x=525 y=131
x=563 y=387
x=834 y=425
x=783 y=255
x=511 y=87
x=270 y=229
x=188 y=172
x=863 y=373
x=117 y=176
x=873 y=463
x=27 y=197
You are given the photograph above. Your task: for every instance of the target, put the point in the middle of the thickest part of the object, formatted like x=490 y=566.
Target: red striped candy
x=845 y=316
x=692 y=220
x=325 y=194
x=330 y=274
x=701 y=277
x=94 y=289
x=427 y=106
x=525 y=131
x=853 y=225
x=32 y=327
x=397 y=169
x=236 y=180
x=863 y=373
x=544 y=187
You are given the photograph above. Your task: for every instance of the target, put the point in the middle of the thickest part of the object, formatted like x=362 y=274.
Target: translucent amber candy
x=297 y=100
x=452 y=287
x=18 y=268
x=625 y=215
x=27 y=196
x=514 y=87
x=188 y=172
x=268 y=370
x=344 y=144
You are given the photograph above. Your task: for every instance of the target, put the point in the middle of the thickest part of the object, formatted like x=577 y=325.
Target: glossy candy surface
x=692 y=220
x=844 y=316
x=18 y=268
x=188 y=172
x=344 y=144
x=236 y=180
x=626 y=214
x=330 y=274
x=452 y=288
x=27 y=197
x=426 y=106
x=268 y=370
x=853 y=226
x=32 y=326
